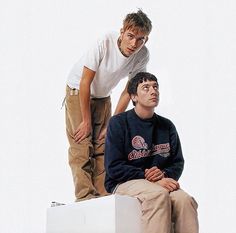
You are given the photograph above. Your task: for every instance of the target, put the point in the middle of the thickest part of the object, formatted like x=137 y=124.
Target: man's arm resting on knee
x=84 y=128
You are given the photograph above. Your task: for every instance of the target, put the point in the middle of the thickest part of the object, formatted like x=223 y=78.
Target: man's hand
x=102 y=134
x=153 y=174
x=85 y=128
x=169 y=184
x=82 y=132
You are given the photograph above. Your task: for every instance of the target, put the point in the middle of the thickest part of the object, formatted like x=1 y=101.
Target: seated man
x=143 y=159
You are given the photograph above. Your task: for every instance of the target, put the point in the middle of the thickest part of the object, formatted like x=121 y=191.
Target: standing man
x=143 y=159
x=88 y=106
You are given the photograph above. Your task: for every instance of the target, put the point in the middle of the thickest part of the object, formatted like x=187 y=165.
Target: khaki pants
x=161 y=209
x=86 y=159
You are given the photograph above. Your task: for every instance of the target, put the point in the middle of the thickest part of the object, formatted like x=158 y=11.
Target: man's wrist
x=164 y=174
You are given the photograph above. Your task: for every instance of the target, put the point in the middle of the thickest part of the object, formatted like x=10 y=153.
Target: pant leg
x=155 y=204
x=184 y=212
x=101 y=113
x=79 y=154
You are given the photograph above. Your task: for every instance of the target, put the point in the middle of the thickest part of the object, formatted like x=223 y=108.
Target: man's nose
x=134 y=42
x=154 y=91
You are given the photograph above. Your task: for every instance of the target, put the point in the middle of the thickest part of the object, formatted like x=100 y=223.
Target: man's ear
x=146 y=40
x=133 y=98
x=121 y=31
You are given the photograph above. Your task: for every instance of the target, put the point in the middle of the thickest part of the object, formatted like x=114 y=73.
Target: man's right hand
x=153 y=174
x=83 y=131
x=85 y=128
x=169 y=184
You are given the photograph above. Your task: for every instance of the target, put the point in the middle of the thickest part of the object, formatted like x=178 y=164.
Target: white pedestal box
x=110 y=214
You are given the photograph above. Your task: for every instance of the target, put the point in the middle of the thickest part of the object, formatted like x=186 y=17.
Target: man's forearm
x=122 y=103
x=85 y=104
x=85 y=83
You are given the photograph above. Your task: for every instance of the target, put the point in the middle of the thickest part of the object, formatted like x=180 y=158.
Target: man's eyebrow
x=145 y=85
x=132 y=34
x=148 y=84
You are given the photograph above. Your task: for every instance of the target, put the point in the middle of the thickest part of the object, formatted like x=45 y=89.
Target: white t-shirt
x=109 y=64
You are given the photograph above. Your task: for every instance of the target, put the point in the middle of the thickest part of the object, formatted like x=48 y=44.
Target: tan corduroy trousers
x=86 y=159
x=162 y=212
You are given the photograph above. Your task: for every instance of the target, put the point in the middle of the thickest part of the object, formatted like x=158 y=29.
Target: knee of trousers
x=159 y=200
x=184 y=200
x=161 y=196
x=80 y=151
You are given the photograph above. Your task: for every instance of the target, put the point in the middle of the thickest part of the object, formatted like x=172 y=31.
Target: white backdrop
x=193 y=54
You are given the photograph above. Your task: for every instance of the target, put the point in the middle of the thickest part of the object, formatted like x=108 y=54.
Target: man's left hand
x=102 y=134
x=153 y=174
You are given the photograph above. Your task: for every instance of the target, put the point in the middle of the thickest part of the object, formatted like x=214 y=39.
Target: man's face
x=131 y=41
x=147 y=95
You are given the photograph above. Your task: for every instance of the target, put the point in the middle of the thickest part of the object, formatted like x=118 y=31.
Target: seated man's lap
x=140 y=188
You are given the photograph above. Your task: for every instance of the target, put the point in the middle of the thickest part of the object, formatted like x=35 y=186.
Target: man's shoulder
x=143 y=52
x=109 y=36
x=142 y=56
x=123 y=118
x=120 y=116
x=163 y=120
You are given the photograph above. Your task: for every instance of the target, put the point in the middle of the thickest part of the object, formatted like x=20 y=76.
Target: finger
x=101 y=136
x=151 y=178
x=150 y=174
x=175 y=182
x=151 y=171
x=77 y=133
x=160 y=176
x=80 y=136
x=77 y=137
x=159 y=173
x=174 y=185
x=170 y=187
x=155 y=176
x=177 y=185
x=155 y=179
x=147 y=172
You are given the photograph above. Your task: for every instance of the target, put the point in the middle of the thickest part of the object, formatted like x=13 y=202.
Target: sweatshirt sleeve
x=116 y=162
x=175 y=165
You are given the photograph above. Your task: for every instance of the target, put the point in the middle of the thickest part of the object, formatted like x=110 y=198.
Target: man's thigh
x=140 y=188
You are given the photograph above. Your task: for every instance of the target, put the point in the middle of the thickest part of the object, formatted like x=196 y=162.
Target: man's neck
x=144 y=113
x=118 y=43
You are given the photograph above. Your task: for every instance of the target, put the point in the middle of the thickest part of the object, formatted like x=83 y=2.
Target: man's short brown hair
x=137 y=21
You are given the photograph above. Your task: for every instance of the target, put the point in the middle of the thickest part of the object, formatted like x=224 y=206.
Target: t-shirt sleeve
x=141 y=64
x=92 y=58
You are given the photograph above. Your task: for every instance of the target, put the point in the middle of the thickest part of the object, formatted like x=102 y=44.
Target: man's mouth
x=154 y=99
x=130 y=50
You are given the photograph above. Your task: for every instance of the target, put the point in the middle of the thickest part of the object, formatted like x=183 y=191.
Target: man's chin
x=155 y=104
x=130 y=52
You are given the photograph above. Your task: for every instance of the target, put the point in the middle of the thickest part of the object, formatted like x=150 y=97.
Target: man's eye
x=141 y=40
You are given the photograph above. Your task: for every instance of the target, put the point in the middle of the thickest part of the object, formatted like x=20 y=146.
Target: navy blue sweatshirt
x=134 y=144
